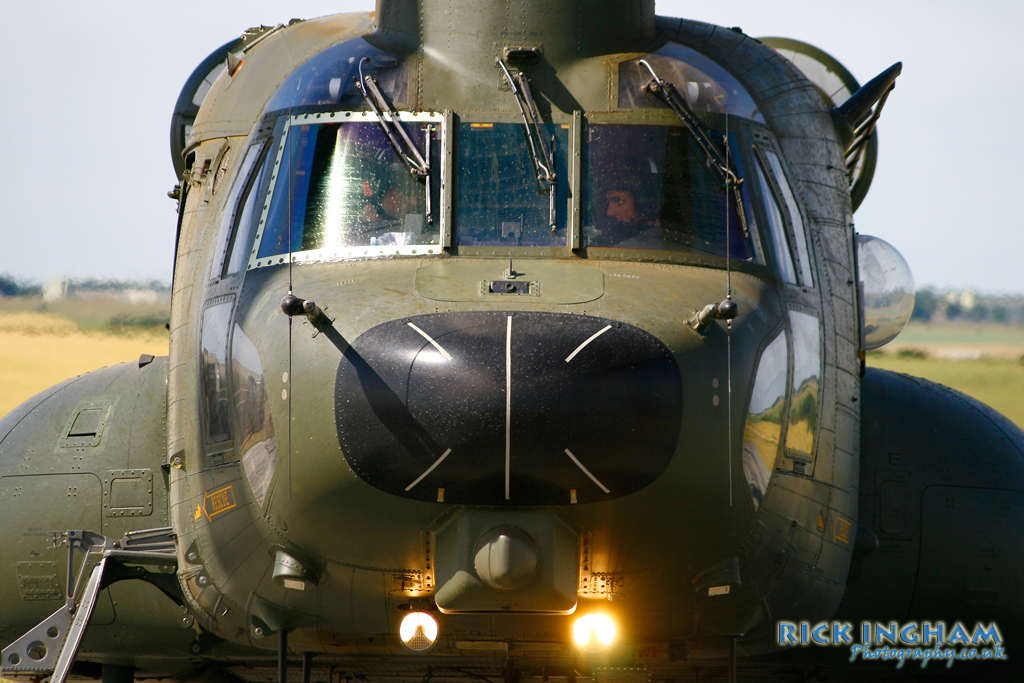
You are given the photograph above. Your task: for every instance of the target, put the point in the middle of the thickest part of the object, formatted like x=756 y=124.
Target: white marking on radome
x=440 y=349
x=589 y=339
x=429 y=470
x=586 y=471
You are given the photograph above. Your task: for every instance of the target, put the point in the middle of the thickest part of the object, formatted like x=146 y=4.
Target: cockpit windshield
x=340 y=191
x=647 y=187
x=500 y=201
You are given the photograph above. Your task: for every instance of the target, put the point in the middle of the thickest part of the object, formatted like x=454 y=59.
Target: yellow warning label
x=219 y=501
x=199 y=512
x=841 y=529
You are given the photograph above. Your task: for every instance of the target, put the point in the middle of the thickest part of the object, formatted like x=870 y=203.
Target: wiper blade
x=394 y=131
x=668 y=93
x=542 y=156
x=389 y=122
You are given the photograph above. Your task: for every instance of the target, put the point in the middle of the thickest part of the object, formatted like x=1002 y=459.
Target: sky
x=88 y=90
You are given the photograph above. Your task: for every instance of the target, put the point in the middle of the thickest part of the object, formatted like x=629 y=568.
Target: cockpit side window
x=213 y=356
x=805 y=389
x=762 y=434
x=248 y=215
x=781 y=188
x=782 y=255
x=232 y=209
x=257 y=443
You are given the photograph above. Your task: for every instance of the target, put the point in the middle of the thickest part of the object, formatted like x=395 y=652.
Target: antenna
x=728 y=297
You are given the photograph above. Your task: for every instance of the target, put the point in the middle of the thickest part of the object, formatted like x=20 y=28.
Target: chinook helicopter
x=508 y=340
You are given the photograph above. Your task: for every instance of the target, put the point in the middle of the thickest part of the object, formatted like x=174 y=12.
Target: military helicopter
x=518 y=340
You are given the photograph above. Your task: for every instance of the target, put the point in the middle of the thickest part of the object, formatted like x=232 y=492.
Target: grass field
x=985 y=361
x=38 y=350
x=963 y=334
x=997 y=382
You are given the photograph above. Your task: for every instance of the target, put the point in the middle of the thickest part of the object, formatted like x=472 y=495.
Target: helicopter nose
x=508 y=408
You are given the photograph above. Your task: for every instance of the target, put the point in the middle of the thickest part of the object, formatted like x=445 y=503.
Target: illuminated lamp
x=418 y=631
x=593 y=632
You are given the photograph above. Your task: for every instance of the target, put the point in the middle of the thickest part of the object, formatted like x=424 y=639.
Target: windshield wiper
x=394 y=131
x=667 y=92
x=541 y=155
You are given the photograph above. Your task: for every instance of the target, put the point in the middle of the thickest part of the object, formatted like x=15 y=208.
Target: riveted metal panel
x=981 y=579
x=39 y=581
x=550 y=282
x=128 y=493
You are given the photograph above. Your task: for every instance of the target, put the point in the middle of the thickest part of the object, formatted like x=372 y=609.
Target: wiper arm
x=541 y=155
x=667 y=92
x=394 y=131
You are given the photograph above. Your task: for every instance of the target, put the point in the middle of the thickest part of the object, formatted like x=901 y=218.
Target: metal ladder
x=50 y=647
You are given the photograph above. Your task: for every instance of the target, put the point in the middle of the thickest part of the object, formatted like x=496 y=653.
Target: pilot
x=628 y=209
x=621 y=206
x=382 y=203
x=384 y=198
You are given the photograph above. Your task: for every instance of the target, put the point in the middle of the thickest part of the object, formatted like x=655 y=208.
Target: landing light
x=594 y=632
x=418 y=631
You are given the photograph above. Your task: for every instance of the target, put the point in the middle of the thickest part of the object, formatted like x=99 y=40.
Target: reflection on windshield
x=256 y=440
x=803 y=413
x=213 y=358
x=763 y=431
x=498 y=198
x=328 y=78
x=341 y=185
x=648 y=188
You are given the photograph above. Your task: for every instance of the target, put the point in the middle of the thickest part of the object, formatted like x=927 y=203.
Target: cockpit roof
x=328 y=79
